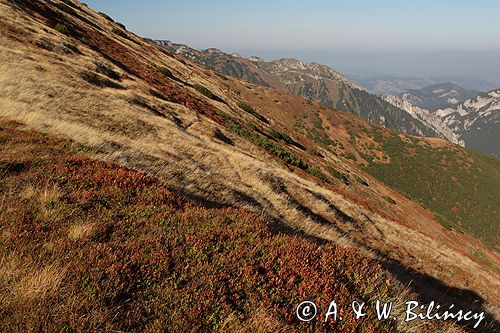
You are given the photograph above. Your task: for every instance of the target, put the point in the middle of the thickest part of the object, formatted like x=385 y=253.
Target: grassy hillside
x=219 y=141
x=460 y=197
x=462 y=187
x=96 y=247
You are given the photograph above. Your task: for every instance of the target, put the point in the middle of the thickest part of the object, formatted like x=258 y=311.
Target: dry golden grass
x=49 y=194
x=23 y=282
x=37 y=284
x=43 y=200
x=81 y=231
x=494 y=310
x=261 y=322
x=29 y=192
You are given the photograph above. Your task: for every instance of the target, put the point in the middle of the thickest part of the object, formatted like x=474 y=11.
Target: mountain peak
x=255 y=59
x=213 y=50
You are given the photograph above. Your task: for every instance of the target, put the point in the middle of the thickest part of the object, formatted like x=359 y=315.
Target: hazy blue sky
x=352 y=35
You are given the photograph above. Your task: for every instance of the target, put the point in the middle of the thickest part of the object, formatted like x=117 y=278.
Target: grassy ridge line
x=91 y=235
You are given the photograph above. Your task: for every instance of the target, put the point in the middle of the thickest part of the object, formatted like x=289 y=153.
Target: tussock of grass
x=100 y=81
x=81 y=231
x=108 y=71
x=38 y=284
x=157 y=94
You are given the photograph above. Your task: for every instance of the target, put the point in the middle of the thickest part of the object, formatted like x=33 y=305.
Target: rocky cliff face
x=473 y=123
x=476 y=121
x=427 y=117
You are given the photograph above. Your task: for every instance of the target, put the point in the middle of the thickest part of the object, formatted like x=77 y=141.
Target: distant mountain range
x=437 y=96
x=414 y=111
x=394 y=85
x=464 y=117
x=312 y=81
x=427 y=117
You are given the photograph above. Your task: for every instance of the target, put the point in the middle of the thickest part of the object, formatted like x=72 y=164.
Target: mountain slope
x=313 y=81
x=110 y=243
x=222 y=142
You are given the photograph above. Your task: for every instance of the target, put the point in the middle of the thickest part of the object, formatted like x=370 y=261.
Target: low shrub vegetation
x=89 y=42
x=461 y=187
x=225 y=116
x=362 y=181
x=205 y=91
x=121 y=25
x=337 y=174
x=349 y=156
x=96 y=247
x=262 y=141
x=281 y=136
x=314 y=152
x=62 y=29
x=319 y=136
x=70 y=3
x=249 y=109
x=106 y=16
x=120 y=32
x=65 y=8
x=165 y=71
x=390 y=200
x=318 y=174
